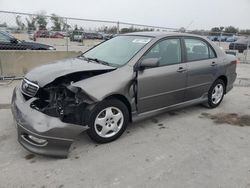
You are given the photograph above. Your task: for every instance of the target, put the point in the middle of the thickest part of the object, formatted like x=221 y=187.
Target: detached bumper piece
x=40 y=133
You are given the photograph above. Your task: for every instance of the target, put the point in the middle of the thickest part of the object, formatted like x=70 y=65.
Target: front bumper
x=40 y=133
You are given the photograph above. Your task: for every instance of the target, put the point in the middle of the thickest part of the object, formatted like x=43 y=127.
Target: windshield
x=117 y=51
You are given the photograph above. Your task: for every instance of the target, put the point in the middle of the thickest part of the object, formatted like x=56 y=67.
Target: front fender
x=101 y=86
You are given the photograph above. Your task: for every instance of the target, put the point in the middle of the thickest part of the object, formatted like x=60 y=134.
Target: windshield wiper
x=95 y=60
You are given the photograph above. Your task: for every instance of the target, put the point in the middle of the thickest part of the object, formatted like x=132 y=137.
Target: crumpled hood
x=47 y=73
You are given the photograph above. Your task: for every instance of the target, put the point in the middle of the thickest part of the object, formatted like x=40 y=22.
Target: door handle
x=213 y=64
x=181 y=69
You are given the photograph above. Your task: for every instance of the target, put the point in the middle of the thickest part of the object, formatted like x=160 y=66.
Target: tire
x=216 y=94
x=108 y=120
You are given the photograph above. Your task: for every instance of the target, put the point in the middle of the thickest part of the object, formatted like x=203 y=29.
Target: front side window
x=119 y=50
x=167 y=51
x=196 y=49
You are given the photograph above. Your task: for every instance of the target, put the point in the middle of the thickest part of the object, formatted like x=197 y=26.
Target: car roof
x=160 y=34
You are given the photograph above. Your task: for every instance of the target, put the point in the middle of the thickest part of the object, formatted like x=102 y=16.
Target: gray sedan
x=122 y=80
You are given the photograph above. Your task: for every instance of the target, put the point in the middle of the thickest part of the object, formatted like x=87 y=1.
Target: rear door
x=202 y=67
x=165 y=85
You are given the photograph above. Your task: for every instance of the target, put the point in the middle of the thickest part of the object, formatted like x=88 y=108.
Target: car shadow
x=83 y=141
x=83 y=144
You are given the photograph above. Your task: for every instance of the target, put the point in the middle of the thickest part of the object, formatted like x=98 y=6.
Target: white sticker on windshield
x=142 y=41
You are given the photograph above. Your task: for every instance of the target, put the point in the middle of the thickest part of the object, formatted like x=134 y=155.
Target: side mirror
x=148 y=63
x=13 y=41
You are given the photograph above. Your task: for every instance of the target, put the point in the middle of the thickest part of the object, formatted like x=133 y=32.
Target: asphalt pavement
x=189 y=148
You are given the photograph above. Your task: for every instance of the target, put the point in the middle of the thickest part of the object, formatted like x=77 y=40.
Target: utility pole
x=118 y=28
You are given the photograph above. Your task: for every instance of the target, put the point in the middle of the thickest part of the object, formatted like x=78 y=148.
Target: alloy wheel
x=108 y=122
x=217 y=93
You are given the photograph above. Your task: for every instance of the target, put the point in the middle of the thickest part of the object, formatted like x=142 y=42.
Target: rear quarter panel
x=230 y=63
x=226 y=66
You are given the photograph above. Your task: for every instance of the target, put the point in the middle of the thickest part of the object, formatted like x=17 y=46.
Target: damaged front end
x=62 y=101
x=50 y=117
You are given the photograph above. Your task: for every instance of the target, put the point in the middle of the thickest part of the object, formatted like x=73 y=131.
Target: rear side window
x=197 y=50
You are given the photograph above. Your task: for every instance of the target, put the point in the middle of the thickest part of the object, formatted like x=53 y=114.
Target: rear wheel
x=108 y=120
x=216 y=94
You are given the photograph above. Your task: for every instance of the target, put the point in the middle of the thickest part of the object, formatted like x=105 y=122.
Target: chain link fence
x=233 y=43
x=64 y=33
x=76 y=34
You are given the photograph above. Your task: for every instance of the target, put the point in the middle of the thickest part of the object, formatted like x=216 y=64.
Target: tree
x=20 y=24
x=222 y=28
x=215 y=31
x=57 y=22
x=111 y=30
x=182 y=30
x=231 y=29
x=65 y=26
x=31 y=23
x=245 y=32
x=41 y=21
x=76 y=27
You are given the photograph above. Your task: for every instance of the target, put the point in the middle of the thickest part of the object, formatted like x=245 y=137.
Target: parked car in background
x=222 y=38
x=65 y=33
x=213 y=38
x=41 y=34
x=92 y=35
x=77 y=36
x=45 y=34
x=8 y=42
x=240 y=45
x=106 y=36
x=80 y=35
x=232 y=39
x=124 y=79
x=55 y=34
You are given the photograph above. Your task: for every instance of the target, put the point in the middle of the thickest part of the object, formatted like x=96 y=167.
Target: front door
x=164 y=85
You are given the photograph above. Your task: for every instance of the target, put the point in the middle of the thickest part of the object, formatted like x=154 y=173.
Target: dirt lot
x=192 y=147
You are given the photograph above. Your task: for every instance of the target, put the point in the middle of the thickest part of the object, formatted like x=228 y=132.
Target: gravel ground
x=191 y=147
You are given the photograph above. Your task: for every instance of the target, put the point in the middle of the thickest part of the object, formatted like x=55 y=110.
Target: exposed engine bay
x=60 y=99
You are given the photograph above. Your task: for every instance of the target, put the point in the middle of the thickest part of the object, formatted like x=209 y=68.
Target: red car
x=53 y=34
x=47 y=34
x=41 y=34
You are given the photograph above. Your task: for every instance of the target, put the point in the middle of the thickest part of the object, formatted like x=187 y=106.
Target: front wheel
x=108 y=120
x=216 y=93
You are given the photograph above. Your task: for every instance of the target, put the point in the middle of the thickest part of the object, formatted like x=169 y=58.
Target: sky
x=190 y=14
